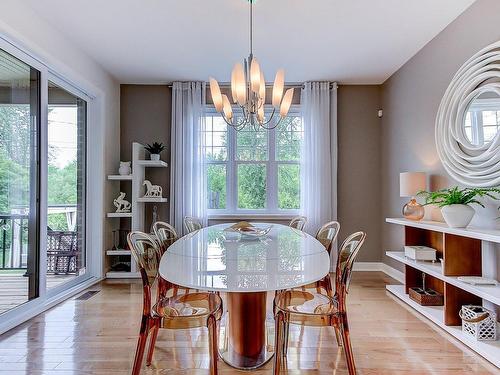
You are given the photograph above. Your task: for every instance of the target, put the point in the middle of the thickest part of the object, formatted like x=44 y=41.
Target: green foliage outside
x=252 y=178
x=15 y=168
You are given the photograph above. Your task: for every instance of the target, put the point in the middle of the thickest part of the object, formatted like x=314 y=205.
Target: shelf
x=119 y=177
x=118 y=252
x=488 y=292
x=152 y=200
x=488 y=349
x=119 y=214
x=492 y=235
x=152 y=163
x=122 y=275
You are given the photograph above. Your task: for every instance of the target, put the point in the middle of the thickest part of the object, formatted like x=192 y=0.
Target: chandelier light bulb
x=240 y=84
x=279 y=85
x=260 y=114
x=216 y=94
x=286 y=103
x=226 y=107
x=262 y=88
x=255 y=76
x=234 y=83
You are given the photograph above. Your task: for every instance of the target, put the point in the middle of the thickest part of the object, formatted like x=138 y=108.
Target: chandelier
x=248 y=92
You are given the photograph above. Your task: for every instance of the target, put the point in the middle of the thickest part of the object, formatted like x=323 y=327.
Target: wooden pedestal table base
x=246 y=343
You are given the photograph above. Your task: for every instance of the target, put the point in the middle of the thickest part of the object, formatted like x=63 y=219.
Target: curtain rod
x=289 y=85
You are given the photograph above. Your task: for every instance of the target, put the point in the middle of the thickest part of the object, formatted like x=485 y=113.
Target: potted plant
x=455 y=203
x=154 y=150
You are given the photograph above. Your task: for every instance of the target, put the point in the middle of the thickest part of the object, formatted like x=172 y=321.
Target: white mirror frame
x=471 y=165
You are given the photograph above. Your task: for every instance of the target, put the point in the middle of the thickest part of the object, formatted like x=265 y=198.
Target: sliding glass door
x=19 y=182
x=43 y=184
x=67 y=123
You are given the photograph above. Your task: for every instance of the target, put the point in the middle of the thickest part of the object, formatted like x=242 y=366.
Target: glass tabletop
x=215 y=259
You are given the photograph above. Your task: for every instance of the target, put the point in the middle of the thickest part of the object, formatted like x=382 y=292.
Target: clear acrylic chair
x=298 y=222
x=327 y=235
x=315 y=309
x=192 y=224
x=165 y=234
x=178 y=312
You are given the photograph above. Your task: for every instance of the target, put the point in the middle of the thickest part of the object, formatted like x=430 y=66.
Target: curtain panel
x=188 y=183
x=319 y=155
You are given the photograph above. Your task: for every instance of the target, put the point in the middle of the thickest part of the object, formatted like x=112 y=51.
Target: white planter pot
x=458 y=215
x=155 y=157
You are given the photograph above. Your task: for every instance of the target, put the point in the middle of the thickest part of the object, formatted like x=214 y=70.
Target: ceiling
x=157 y=41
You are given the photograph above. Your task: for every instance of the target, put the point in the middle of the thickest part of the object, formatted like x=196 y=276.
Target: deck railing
x=62 y=250
x=13 y=241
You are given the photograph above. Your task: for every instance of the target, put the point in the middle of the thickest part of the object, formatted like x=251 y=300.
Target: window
x=43 y=129
x=482 y=121
x=19 y=181
x=253 y=171
x=67 y=124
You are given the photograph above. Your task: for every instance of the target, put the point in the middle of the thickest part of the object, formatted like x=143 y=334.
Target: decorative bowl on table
x=247 y=230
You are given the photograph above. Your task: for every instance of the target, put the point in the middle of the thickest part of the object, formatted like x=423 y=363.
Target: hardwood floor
x=98 y=336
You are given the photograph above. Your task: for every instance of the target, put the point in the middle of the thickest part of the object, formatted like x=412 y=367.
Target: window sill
x=286 y=216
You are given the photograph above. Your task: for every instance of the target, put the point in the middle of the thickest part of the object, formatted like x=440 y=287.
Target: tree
x=252 y=178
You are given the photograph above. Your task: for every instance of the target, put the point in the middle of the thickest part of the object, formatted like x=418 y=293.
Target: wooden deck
x=14 y=288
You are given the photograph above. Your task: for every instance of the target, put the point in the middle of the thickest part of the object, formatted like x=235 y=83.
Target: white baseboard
x=379 y=267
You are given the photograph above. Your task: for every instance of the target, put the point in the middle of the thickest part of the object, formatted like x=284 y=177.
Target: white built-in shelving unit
x=137 y=200
x=466 y=252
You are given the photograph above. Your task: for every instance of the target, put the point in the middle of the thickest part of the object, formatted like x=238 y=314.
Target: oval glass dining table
x=212 y=259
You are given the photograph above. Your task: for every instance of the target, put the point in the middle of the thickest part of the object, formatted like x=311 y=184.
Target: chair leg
x=344 y=328
x=141 y=345
x=338 y=336
x=152 y=342
x=278 y=345
x=213 y=346
x=286 y=331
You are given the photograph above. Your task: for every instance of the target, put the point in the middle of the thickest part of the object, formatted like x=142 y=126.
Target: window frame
x=272 y=210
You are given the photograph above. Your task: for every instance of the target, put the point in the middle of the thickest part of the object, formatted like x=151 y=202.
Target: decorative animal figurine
x=152 y=191
x=121 y=204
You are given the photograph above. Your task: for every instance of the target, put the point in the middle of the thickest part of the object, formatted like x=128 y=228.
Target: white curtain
x=319 y=154
x=187 y=174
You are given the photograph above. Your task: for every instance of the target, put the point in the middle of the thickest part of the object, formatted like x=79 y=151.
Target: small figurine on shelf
x=122 y=205
x=154 y=150
x=152 y=191
x=125 y=168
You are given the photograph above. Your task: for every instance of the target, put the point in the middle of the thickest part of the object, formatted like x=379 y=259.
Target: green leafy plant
x=455 y=195
x=155 y=148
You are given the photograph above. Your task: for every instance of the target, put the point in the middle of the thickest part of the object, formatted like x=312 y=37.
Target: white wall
x=25 y=28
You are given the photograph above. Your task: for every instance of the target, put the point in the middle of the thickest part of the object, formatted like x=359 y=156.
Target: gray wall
x=410 y=101
x=145 y=117
x=359 y=166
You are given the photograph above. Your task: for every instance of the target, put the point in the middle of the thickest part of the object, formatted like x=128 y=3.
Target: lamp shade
x=410 y=183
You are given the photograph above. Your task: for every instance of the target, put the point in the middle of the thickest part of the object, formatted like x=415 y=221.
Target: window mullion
x=272 y=178
x=231 y=183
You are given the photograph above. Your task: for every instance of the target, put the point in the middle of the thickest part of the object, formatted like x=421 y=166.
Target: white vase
x=125 y=168
x=457 y=215
x=155 y=157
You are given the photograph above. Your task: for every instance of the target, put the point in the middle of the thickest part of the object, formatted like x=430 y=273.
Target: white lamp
x=410 y=183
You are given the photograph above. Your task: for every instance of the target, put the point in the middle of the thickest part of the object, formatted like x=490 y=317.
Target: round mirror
x=468 y=121
x=482 y=121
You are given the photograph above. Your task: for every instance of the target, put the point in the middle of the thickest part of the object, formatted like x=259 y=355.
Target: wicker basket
x=479 y=322
x=426 y=297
